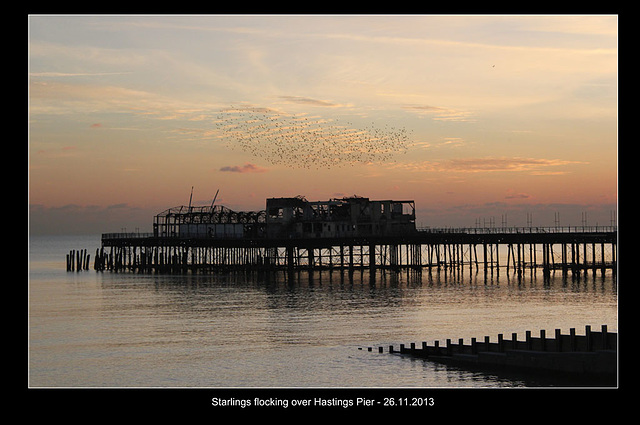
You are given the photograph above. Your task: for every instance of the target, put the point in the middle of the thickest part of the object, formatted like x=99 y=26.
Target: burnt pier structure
x=350 y=234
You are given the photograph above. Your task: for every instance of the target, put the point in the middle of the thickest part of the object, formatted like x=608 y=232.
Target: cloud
x=473 y=165
x=535 y=166
x=453 y=141
x=439 y=113
x=513 y=195
x=308 y=101
x=61 y=152
x=246 y=168
x=69 y=74
x=71 y=219
x=70 y=97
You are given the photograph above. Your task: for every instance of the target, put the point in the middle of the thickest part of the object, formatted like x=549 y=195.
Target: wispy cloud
x=511 y=194
x=246 y=168
x=69 y=97
x=58 y=152
x=453 y=141
x=440 y=113
x=535 y=166
x=446 y=142
x=475 y=165
x=74 y=74
x=308 y=101
x=72 y=219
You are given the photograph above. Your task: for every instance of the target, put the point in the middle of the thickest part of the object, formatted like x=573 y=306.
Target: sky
x=482 y=120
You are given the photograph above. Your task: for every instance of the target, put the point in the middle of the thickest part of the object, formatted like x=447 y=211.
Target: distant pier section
x=347 y=233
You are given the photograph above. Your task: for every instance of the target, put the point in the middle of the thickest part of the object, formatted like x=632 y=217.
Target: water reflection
x=410 y=295
x=264 y=320
x=290 y=329
x=380 y=283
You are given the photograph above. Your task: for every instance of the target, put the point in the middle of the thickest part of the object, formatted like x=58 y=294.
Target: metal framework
x=191 y=221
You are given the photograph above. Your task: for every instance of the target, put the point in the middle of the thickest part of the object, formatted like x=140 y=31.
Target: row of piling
x=185 y=257
x=78 y=260
x=590 y=341
x=448 y=250
x=593 y=354
x=182 y=259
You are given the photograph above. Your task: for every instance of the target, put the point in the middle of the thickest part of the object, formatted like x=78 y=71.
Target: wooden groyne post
x=593 y=354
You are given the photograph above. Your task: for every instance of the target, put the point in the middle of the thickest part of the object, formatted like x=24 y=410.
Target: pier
x=590 y=357
x=349 y=234
x=571 y=249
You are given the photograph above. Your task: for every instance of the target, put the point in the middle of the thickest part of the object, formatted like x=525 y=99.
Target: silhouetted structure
x=346 y=233
x=339 y=218
x=208 y=222
x=592 y=357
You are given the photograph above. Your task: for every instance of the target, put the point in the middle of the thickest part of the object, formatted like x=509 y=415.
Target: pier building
x=339 y=218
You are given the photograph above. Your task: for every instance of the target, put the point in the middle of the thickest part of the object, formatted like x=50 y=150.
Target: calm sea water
x=89 y=329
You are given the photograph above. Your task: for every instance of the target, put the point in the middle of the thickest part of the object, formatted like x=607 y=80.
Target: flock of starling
x=300 y=141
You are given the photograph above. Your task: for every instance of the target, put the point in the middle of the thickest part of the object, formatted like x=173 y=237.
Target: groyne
x=590 y=358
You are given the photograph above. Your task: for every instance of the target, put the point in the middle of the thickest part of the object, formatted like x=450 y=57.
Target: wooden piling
x=450 y=251
x=593 y=355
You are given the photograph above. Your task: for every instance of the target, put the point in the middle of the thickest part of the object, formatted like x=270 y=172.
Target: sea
x=301 y=330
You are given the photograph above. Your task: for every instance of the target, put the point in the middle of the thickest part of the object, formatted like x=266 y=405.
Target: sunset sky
x=479 y=119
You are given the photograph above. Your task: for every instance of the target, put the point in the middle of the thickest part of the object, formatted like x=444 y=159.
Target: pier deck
x=347 y=233
x=553 y=248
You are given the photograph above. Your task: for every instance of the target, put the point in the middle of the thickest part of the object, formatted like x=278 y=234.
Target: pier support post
x=372 y=257
x=351 y=257
x=290 y=257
